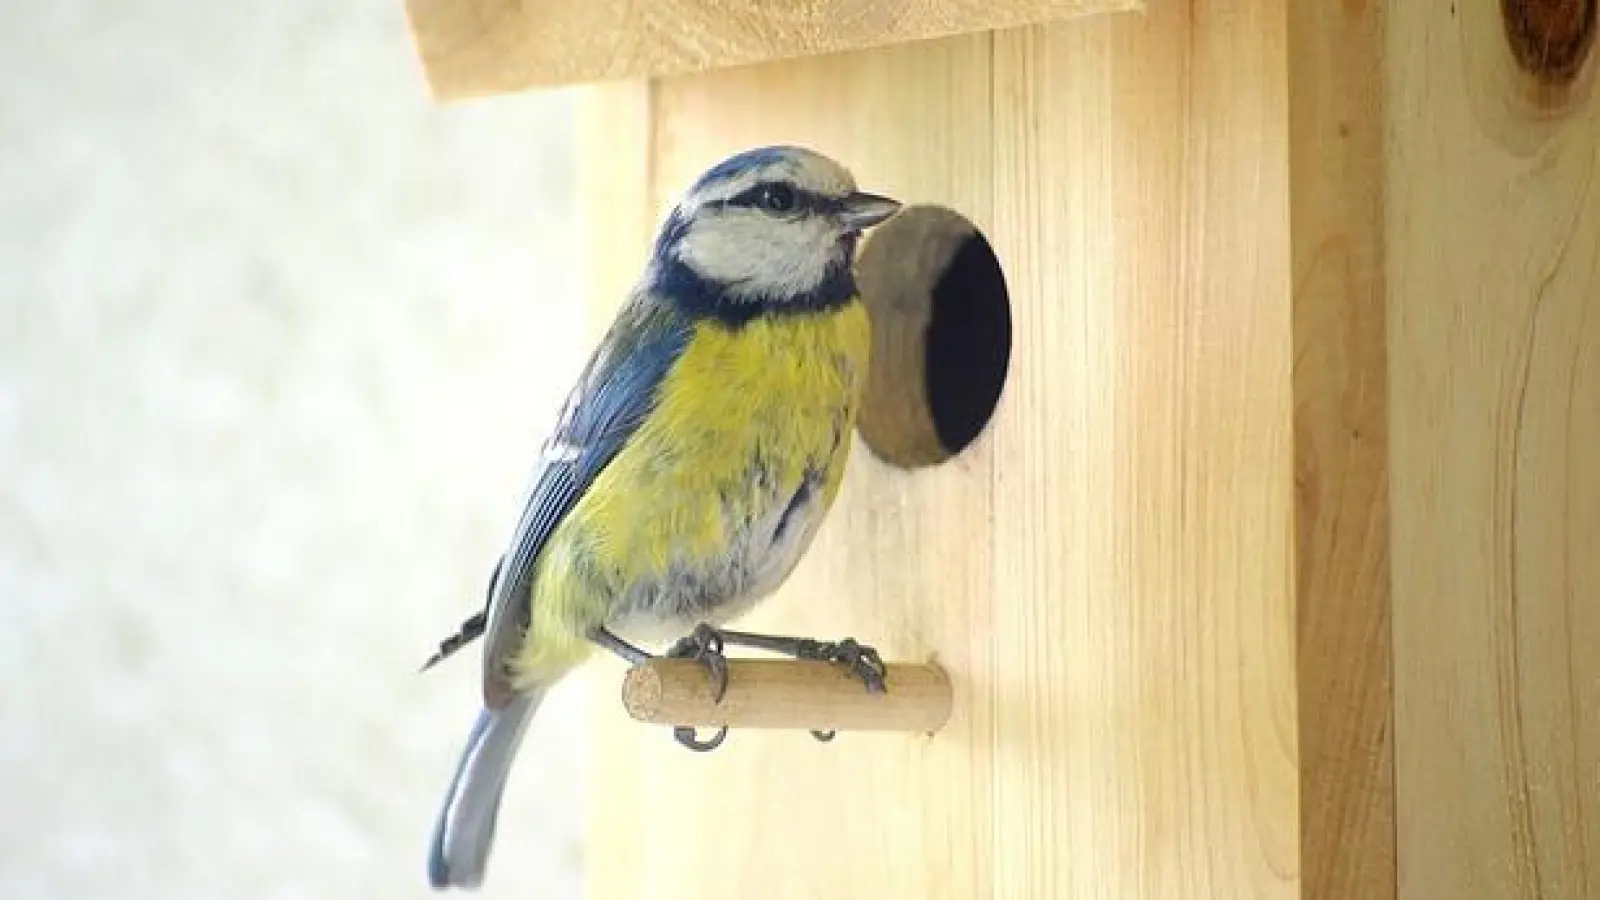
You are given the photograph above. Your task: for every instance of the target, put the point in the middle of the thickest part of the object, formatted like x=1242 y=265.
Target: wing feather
x=614 y=394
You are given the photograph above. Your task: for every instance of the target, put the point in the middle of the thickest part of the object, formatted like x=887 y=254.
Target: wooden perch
x=476 y=47
x=782 y=693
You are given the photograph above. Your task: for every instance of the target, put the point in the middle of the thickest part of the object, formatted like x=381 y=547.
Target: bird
x=689 y=468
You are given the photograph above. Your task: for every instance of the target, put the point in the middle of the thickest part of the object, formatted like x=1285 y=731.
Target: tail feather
x=464 y=834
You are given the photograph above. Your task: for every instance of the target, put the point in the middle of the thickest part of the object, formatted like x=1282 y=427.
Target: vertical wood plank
x=1150 y=703
x=1494 y=335
x=1336 y=122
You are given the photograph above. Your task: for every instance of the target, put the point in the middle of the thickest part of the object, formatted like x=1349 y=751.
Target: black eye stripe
x=804 y=200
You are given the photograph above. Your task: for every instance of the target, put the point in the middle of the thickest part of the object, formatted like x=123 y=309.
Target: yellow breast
x=744 y=418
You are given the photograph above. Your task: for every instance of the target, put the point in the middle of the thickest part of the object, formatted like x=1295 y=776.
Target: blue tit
x=690 y=467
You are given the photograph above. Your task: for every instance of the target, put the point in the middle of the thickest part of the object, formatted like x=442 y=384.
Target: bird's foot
x=704 y=644
x=863 y=661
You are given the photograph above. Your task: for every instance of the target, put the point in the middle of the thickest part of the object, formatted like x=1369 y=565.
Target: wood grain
x=1106 y=572
x=1493 y=269
x=787 y=693
x=1145 y=481
x=475 y=47
x=1336 y=122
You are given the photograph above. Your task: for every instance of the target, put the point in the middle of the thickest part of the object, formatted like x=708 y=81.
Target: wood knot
x=1550 y=39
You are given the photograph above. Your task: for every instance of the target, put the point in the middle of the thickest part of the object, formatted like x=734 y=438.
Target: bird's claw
x=863 y=662
x=706 y=645
x=685 y=735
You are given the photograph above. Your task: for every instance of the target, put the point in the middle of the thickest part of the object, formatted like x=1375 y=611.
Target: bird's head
x=770 y=225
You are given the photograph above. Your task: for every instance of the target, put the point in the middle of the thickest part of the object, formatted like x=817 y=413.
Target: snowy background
x=278 y=340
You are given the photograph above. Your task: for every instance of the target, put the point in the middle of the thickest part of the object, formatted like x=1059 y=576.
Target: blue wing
x=614 y=394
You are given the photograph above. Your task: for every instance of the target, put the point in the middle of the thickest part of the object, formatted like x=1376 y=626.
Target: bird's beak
x=861 y=211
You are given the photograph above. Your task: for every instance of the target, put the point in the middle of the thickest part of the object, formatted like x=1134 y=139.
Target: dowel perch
x=780 y=693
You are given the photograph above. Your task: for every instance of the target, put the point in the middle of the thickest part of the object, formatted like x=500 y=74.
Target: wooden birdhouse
x=1233 y=440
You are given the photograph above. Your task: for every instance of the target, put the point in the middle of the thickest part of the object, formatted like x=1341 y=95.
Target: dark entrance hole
x=941 y=322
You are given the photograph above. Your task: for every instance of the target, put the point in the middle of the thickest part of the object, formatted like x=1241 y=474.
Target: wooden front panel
x=1106 y=572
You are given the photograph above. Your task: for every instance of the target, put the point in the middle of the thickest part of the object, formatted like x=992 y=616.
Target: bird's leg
x=863 y=662
x=684 y=734
x=605 y=639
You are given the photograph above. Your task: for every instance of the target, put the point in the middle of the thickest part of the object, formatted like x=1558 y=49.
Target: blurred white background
x=278 y=341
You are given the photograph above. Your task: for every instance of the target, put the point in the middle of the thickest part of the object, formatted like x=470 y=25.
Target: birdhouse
x=1232 y=440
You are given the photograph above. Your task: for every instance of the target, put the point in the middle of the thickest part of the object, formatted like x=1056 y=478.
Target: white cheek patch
x=752 y=254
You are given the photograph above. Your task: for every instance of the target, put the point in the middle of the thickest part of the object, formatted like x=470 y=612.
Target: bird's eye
x=778 y=198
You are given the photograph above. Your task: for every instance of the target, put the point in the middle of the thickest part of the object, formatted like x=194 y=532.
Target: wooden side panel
x=1341 y=450
x=1494 y=335
x=1107 y=571
x=475 y=47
